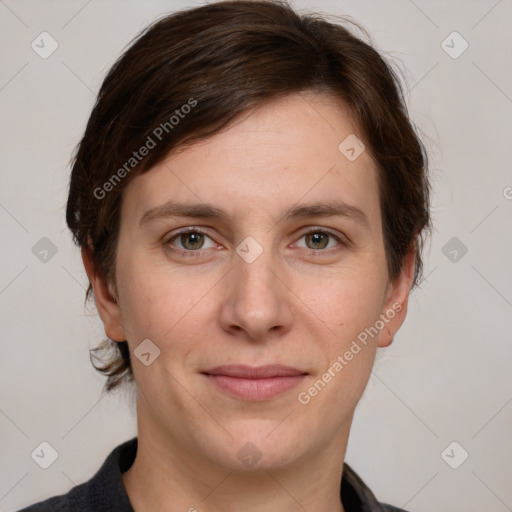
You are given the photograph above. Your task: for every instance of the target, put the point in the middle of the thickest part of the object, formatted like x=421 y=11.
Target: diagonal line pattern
x=216 y=487
x=492 y=81
x=485 y=218
x=285 y=490
x=490 y=490
x=424 y=14
x=5 y=495
x=492 y=286
x=72 y=482
x=408 y=407
x=76 y=424
x=14 y=76
x=72 y=72
x=75 y=15
x=428 y=275
x=424 y=76
x=13 y=13
x=14 y=423
x=410 y=499
x=482 y=18
x=13 y=217
x=13 y=279
x=73 y=277
x=318 y=113
x=503 y=407
x=281 y=422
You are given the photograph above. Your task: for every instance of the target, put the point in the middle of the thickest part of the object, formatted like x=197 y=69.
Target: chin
x=258 y=445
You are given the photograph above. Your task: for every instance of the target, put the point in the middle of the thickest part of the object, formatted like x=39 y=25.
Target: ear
x=104 y=296
x=395 y=308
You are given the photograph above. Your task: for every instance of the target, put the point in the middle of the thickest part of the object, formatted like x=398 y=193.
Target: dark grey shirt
x=105 y=491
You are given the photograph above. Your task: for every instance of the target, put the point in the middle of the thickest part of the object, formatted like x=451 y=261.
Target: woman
x=250 y=199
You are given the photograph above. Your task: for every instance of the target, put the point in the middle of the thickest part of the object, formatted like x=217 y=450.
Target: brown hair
x=219 y=61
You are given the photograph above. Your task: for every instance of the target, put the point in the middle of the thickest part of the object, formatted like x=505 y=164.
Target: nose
x=257 y=303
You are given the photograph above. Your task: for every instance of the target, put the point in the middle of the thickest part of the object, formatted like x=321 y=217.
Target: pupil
x=317 y=238
x=195 y=239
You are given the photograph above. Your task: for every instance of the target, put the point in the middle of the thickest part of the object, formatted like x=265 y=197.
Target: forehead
x=284 y=152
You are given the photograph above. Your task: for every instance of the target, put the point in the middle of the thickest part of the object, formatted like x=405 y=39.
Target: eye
x=191 y=240
x=318 y=240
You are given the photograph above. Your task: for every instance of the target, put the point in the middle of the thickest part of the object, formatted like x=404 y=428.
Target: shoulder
x=75 y=499
x=103 y=492
x=356 y=496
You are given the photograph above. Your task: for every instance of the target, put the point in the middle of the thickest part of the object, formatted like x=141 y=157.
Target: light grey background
x=446 y=377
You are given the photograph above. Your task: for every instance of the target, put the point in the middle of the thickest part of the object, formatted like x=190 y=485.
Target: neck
x=167 y=475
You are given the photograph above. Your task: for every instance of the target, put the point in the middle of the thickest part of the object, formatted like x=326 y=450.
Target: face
x=248 y=271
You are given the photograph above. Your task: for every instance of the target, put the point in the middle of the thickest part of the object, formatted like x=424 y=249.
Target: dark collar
x=105 y=491
x=354 y=493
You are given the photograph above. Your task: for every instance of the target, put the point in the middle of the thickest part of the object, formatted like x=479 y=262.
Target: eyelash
x=191 y=253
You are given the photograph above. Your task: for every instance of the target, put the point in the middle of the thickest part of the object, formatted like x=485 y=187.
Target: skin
x=300 y=303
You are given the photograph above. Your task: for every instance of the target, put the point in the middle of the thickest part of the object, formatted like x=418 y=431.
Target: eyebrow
x=209 y=211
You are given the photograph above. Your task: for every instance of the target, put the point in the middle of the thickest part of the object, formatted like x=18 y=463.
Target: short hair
x=191 y=73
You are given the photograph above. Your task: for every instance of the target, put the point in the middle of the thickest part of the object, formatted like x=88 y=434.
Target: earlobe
x=386 y=339
x=395 y=307
x=105 y=299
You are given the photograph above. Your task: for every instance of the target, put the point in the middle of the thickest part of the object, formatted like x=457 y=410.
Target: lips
x=254 y=384
x=260 y=372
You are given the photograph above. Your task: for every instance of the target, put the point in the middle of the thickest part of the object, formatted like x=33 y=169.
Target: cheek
x=161 y=303
x=346 y=301
x=349 y=309
x=349 y=306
